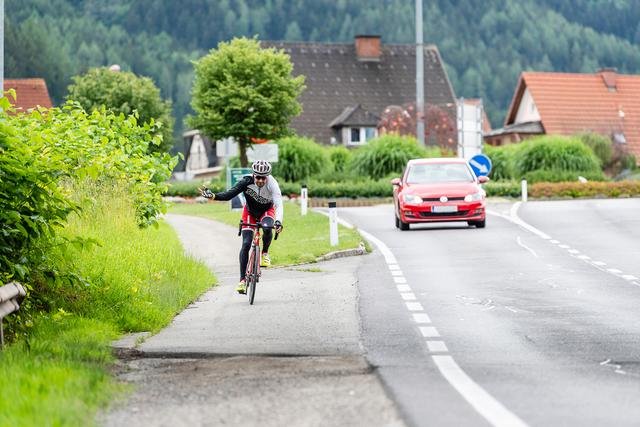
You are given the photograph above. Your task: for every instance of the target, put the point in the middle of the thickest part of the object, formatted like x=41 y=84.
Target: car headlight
x=473 y=197
x=412 y=199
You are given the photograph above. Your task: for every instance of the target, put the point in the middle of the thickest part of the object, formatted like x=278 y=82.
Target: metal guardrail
x=9 y=295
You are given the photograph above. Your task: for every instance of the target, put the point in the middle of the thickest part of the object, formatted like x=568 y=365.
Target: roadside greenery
x=304 y=239
x=337 y=172
x=78 y=194
x=122 y=92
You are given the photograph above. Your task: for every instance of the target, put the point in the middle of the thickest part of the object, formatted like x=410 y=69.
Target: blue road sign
x=480 y=164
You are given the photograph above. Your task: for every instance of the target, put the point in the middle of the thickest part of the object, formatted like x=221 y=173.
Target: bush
x=502 y=189
x=543 y=175
x=600 y=145
x=299 y=158
x=589 y=189
x=354 y=189
x=387 y=154
x=190 y=188
x=551 y=152
x=503 y=161
x=340 y=157
x=45 y=159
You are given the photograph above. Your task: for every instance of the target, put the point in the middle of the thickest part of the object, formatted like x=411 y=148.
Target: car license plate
x=444 y=209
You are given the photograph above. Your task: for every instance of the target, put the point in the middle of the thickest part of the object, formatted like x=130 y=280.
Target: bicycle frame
x=252 y=275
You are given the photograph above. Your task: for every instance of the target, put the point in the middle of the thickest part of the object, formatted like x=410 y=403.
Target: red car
x=439 y=190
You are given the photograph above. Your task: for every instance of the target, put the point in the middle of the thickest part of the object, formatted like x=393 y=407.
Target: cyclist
x=263 y=203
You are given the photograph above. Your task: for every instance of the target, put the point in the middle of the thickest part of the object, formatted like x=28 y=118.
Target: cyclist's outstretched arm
x=233 y=191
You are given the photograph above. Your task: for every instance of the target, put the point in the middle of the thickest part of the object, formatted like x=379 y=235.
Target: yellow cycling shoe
x=242 y=287
x=266 y=261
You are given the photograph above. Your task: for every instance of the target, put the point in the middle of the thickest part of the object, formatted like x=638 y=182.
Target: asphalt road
x=531 y=321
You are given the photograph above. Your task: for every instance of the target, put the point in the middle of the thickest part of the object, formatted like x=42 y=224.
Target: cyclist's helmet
x=261 y=167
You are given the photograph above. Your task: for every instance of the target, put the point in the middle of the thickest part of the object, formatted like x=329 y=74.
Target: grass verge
x=57 y=373
x=304 y=238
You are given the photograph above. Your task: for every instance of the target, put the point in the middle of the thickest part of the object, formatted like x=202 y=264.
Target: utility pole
x=419 y=75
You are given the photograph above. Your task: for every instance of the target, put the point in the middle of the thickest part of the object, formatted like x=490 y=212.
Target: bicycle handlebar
x=258 y=225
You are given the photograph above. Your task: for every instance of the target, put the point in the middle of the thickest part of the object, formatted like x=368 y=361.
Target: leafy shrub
x=543 y=175
x=503 y=160
x=190 y=188
x=45 y=159
x=502 y=188
x=387 y=154
x=299 y=158
x=600 y=145
x=339 y=156
x=589 y=189
x=354 y=189
x=552 y=152
x=628 y=161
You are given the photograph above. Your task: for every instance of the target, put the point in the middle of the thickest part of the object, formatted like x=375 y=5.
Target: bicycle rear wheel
x=253 y=281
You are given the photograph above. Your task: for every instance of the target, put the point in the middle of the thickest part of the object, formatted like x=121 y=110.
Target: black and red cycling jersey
x=258 y=199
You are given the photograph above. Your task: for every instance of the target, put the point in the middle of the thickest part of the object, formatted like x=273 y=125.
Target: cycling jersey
x=258 y=199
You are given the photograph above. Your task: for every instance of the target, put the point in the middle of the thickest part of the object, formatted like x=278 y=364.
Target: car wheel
x=397 y=221
x=481 y=224
x=404 y=226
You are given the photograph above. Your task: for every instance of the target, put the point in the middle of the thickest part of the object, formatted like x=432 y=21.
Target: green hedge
x=299 y=158
x=387 y=154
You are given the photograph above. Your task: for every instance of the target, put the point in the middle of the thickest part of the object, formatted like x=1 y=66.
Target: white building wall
x=527 y=111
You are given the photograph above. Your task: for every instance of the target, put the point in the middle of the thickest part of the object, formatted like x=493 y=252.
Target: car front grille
x=442 y=214
x=437 y=199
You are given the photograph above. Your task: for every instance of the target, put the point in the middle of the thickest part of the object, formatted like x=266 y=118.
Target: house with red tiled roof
x=30 y=93
x=605 y=102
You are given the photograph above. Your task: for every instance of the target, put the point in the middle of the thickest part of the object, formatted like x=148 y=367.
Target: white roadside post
x=303 y=200
x=524 y=190
x=333 y=223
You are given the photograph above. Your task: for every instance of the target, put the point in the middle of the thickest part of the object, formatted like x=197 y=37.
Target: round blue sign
x=480 y=164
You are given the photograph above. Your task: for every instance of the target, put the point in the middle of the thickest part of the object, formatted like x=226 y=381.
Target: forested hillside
x=486 y=44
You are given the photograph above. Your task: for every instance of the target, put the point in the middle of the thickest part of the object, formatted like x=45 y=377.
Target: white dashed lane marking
x=491 y=409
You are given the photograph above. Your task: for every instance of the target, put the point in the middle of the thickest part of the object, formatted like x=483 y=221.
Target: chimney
x=609 y=78
x=368 y=48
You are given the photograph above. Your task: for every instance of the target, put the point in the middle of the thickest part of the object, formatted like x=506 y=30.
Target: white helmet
x=261 y=167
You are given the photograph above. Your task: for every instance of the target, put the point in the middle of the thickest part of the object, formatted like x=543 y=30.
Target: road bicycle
x=252 y=275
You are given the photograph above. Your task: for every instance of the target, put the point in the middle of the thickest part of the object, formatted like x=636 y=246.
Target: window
x=359 y=136
x=370 y=133
x=439 y=172
x=355 y=136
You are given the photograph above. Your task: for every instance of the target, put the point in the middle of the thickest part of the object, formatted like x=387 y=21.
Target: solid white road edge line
x=492 y=410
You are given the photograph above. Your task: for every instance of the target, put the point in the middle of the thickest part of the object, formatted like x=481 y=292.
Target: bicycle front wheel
x=251 y=290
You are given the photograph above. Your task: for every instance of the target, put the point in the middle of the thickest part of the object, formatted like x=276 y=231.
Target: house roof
x=336 y=80
x=570 y=103
x=355 y=115
x=30 y=93
x=526 y=127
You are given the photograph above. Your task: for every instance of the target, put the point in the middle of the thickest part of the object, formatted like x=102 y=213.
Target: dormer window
x=361 y=135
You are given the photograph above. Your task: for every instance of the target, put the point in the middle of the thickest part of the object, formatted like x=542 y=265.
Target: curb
x=127 y=346
x=360 y=250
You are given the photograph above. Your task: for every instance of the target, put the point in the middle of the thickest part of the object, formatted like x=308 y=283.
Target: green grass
x=304 y=238
x=138 y=280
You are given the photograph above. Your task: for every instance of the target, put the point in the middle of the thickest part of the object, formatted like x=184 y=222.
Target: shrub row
x=589 y=189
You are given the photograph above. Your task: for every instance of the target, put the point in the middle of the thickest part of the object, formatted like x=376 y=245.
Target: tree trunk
x=242 y=146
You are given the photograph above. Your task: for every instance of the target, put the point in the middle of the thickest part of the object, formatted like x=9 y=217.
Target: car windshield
x=433 y=173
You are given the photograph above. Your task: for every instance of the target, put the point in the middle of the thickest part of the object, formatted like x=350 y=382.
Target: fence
x=9 y=295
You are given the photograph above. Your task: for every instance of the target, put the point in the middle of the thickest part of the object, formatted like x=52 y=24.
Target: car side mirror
x=483 y=179
x=396 y=181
